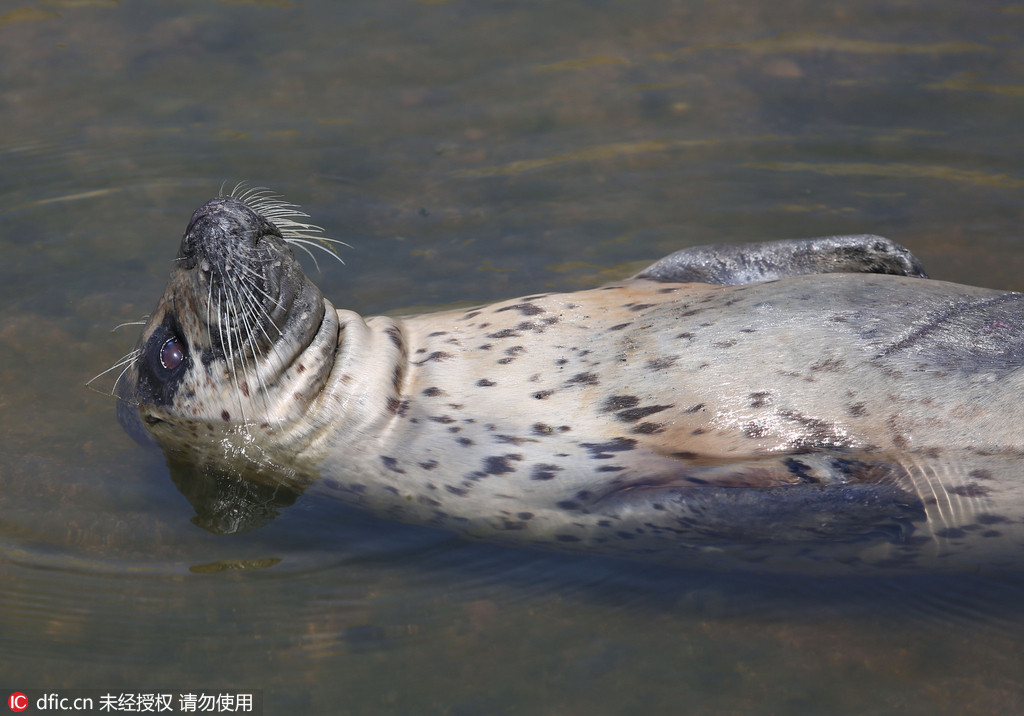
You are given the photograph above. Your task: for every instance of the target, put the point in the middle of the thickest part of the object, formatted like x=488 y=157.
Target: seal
x=814 y=405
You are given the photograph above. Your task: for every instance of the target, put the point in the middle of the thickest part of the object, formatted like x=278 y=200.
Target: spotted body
x=758 y=406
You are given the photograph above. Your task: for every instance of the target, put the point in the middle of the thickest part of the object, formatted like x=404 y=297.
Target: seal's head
x=240 y=339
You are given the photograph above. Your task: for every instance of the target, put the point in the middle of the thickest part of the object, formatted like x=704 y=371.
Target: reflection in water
x=229 y=504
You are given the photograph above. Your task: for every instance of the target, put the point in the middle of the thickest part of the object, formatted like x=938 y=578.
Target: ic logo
x=18 y=701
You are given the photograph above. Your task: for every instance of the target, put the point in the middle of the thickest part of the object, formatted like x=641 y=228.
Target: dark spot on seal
x=542 y=471
x=648 y=428
x=685 y=334
x=445 y=419
x=695 y=409
x=729 y=343
x=436 y=356
x=662 y=363
x=395 y=336
x=391 y=464
x=635 y=414
x=543 y=394
x=524 y=515
x=602 y=451
x=526 y=309
x=760 y=399
x=458 y=491
x=485 y=383
x=542 y=429
x=583 y=379
x=464 y=442
x=857 y=410
x=635 y=307
x=437 y=333
x=619 y=402
x=819 y=433
x=971 y=489
x=898 y=438
x=433 y=392
x=800 y=469
x=611 y=468
x=429 y=464
x=471 y=314
x=620 y=326
x=225 y=415
x=513 y=440
x=499 y=464
x=755 y=430
x=980 y=474
x=567 y=505
x=512 y=353
x=829 y=365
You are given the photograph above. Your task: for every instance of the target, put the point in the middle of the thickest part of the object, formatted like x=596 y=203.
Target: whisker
x=256 y=289
x=120 y=375
x=209 y=307
x=302 y=243
x=256 y=309
x=288 y=218
x=229 y=356
x=141 y=322
x=247 y=299
x=124 y=361
x=299 y=245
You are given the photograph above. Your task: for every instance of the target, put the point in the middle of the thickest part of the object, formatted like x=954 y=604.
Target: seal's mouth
x=236 y=315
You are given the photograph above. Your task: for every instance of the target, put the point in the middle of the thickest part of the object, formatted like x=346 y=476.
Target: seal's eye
x=172 y=353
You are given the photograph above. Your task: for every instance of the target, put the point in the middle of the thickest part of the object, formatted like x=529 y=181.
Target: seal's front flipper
x=807 y=509
x=797 y=514
x=734 y=264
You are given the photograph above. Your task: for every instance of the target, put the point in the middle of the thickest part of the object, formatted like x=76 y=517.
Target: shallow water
x=469 y=152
